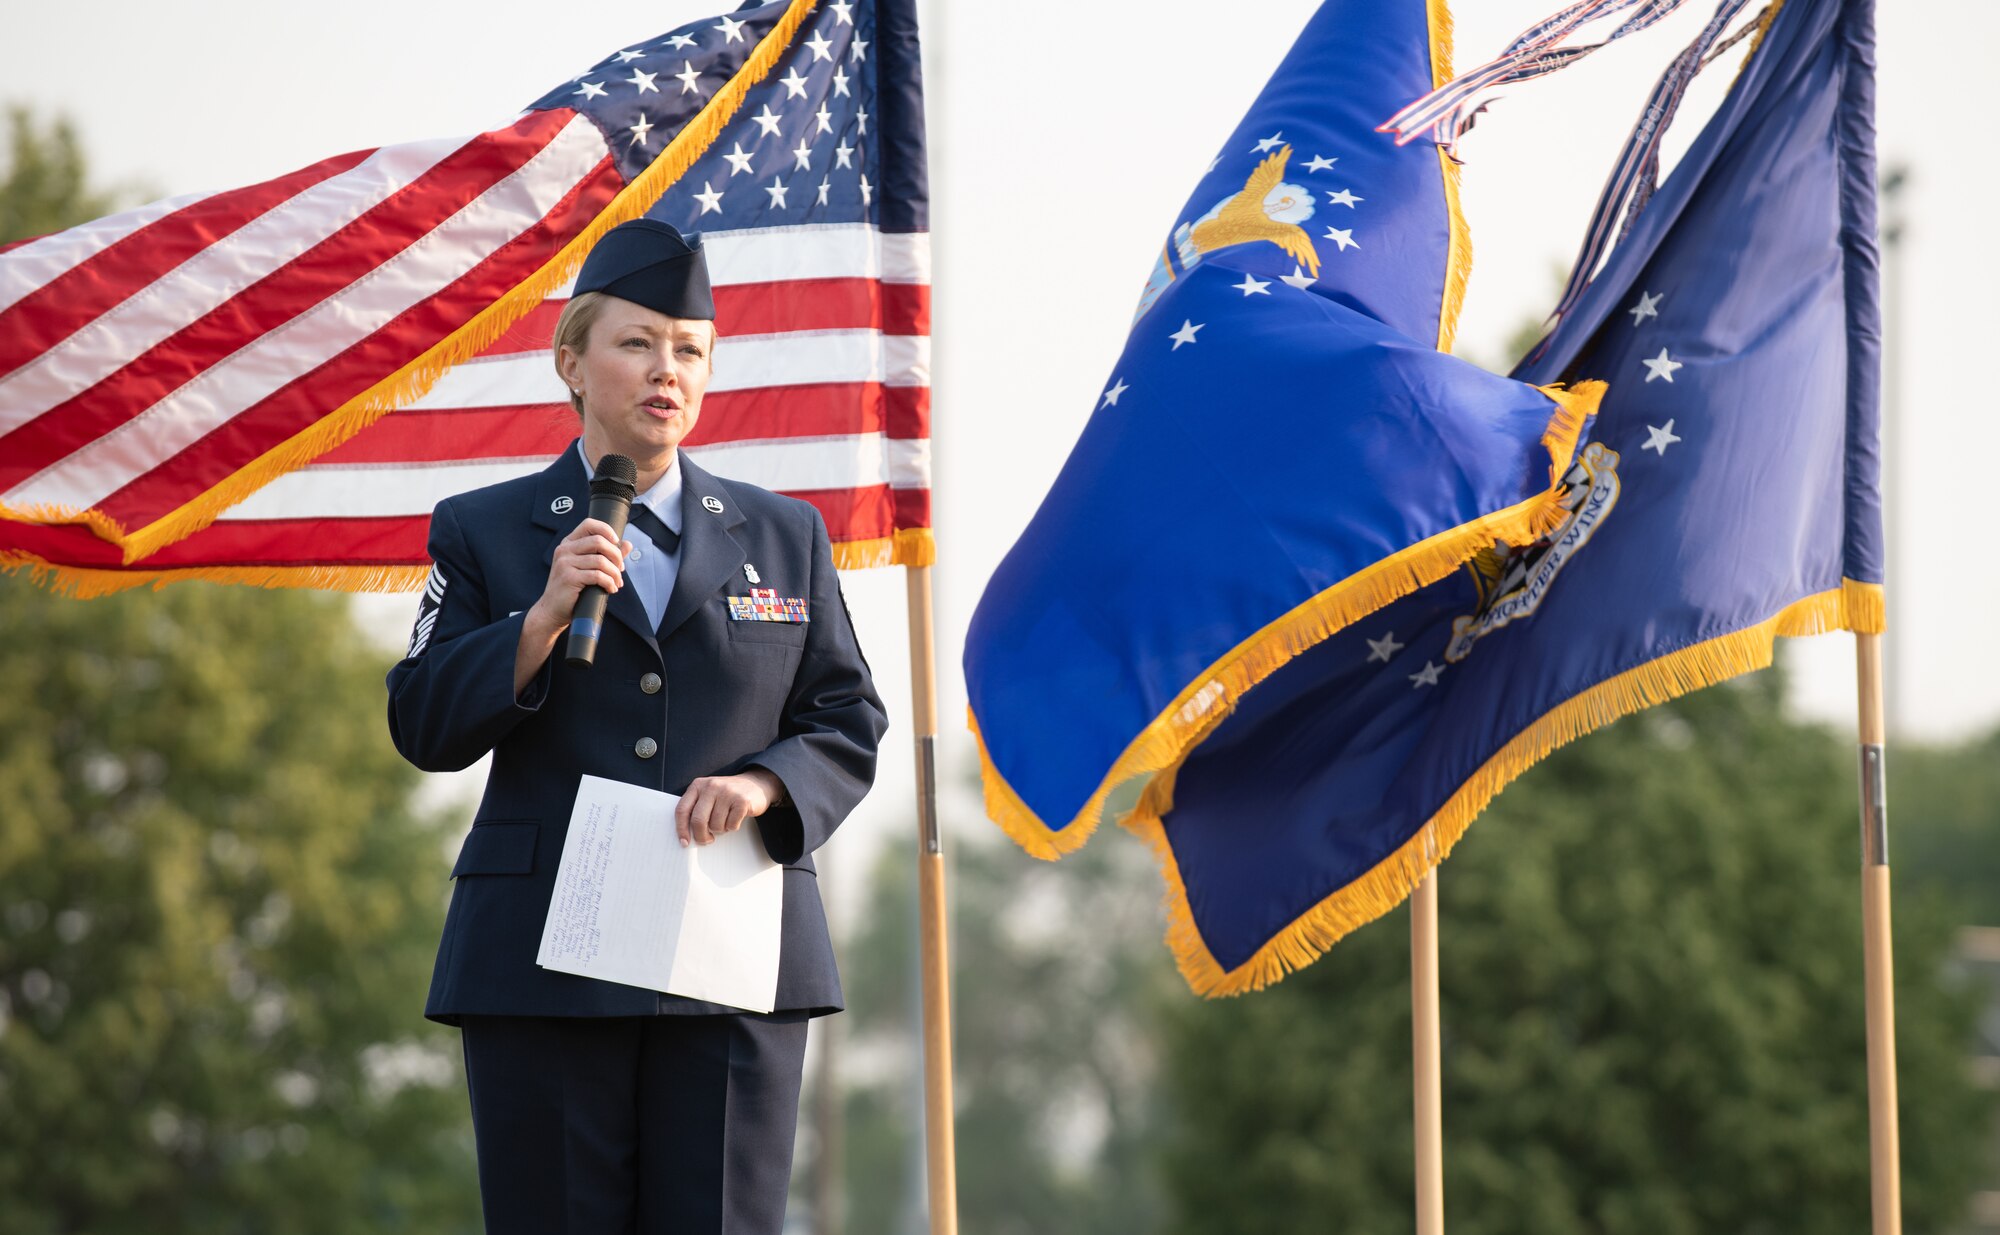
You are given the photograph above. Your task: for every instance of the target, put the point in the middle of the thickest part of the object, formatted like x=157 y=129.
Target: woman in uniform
x=602 y=1108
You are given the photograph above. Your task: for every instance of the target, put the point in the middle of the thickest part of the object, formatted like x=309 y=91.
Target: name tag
x=765 y=605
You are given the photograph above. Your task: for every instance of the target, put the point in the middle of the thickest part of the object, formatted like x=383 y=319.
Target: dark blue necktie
x=665 y=539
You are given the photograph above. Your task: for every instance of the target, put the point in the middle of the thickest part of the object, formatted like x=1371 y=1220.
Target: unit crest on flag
x=1514 y=579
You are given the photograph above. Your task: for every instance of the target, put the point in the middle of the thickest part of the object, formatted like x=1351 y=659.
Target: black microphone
x=611 y=494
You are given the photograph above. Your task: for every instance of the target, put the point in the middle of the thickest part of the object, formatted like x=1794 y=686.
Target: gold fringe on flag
x=415 y=378
x=1458 y=259
x=910 y=546
x=88 y=582
x=101 y=525
x=913 y=546
x=1852 y=606
x=1208 y=700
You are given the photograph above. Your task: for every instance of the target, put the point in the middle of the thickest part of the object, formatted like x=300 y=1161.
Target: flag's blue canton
x=804 y=147
x=1269 y=439
x=636 y=98
x=1729 y=495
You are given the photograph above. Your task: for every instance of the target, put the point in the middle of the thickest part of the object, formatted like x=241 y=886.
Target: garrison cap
x=647 y=262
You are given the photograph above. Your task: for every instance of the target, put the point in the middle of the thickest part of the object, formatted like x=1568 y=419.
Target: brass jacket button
x=645 y=748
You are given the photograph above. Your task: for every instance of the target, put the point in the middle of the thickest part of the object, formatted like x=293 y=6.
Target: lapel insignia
x=561 y=506
x=713 y=505
x=765 y=605
x=750 y=573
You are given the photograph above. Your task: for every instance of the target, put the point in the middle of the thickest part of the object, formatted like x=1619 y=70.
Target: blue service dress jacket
x=704 y=694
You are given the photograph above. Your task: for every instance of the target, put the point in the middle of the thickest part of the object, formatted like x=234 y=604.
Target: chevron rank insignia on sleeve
x=427 y=613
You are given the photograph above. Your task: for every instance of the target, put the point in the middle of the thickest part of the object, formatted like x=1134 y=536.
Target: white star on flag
x=1384 y=648
x=867 y=191
x=1112 y=393
x=1297 y=278
x=1320 y=163
x=1267 y=143
x=1185 y=334
x=688 y=77
x=839 y=82
x=803 y=154
x=795 y=86
x=1658 y=439
x=1345 y=239
x=843 y=12
x=824 y=118
x=1426 y=676
x=591 y=90
x=738 y=160
x=821 y=48
x=1648 y=306
x=732 y=31
x=640 y=130
x=628 y=56
x=1252 y=286
x=843 y=155
x=860 y=49
x=1344 y=198
x=1660 y=366
x=777 y=191
x=826 y=182
x=767 y=121
x=709 y=198
x=644 y=81
x=680 y=41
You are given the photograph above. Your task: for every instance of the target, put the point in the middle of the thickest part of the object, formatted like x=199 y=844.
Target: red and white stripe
x=821 y=391
x=149 y=357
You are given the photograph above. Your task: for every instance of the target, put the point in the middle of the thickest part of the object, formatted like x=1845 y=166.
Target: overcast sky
x=1064 y=138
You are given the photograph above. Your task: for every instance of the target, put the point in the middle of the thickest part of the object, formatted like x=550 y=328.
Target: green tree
x=217 y=914
x=1059 y=967
x=1944 y=822
x=46 y=186
x=1652 y=1013
x=217 y=909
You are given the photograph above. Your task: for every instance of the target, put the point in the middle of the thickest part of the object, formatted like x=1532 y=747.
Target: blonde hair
x=573 y=332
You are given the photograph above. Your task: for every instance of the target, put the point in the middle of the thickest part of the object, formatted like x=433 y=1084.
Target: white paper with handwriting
x=632 y=906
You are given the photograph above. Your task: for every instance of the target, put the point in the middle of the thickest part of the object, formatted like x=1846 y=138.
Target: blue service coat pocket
x=790 y=634
x=498 y=849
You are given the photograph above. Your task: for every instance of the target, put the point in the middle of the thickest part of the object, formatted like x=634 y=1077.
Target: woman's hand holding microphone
x=590 y=556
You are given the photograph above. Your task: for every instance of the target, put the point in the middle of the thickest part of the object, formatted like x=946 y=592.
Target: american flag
x=274 y=385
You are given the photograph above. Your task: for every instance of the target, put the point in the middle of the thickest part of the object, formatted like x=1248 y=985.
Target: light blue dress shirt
x=647 y=567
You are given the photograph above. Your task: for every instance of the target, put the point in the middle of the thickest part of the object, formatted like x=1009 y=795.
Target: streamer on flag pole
x=275 y=384
x=1447 y=113
x=1635 y=174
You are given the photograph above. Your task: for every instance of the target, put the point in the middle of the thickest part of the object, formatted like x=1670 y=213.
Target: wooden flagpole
x=939 y=1152
x=1424 y=1031
x=1884 y=1158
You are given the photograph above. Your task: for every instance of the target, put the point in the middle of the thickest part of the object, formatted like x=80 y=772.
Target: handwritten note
x=632 y=906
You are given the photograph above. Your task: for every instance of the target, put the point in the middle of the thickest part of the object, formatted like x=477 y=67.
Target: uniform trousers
x=634 y=1125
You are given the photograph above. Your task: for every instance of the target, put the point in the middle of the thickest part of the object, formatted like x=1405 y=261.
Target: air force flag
x=1283 y=447
x=1304 y=599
